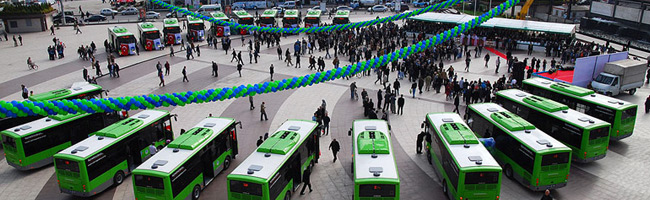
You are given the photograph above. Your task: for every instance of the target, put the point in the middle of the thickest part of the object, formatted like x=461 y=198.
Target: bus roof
x=44 y=123
x=208 y=129
x=530 y=136
x=147 y=26
x=171 y=22
x=242 y=14
x=76 y=89
x=342 y=13
x=313 y=13
x=269 y=13
x=541 y=104
x=191 y=19
x=291 y=13
x=384 y=164
x=579 y=93
x=114 y=133
x=465 y=157
x=269 y=165
x=219 y=15
x=119 y=31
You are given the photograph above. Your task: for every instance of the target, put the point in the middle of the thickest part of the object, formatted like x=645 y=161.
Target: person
x=20 y=38
x=271 y=71
x=335 y=147
x=152 y=149
x=239 y=66
x=467 y=61
x=647 y=76
x=85 y=73
x=305 y=180
x=15 y=42
x=250 y=100
x=260 y=141
x=234 y=56
x=26 y=92
x=414 y=87
x=52 y=30
x=188 y=49
x=167 y=67
x=266 y=135
x=498 y=62
x=76 y=26
x=185 y=74
x=487 y=58
x=396 y=86
x=326 y=124
x=250 y=57
x=418 y=144
x=353 y=90
x=171 y=51
x=647 y=104
x=116 y=69
x=547 y=195
x=279 y=53
x=456 y=103
x=297 y=61
x=400 y=105
x=263 y=112
x=215 y=69
x=162 y=79
x=198 y=51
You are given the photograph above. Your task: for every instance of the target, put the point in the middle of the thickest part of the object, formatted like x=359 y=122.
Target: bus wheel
x=226 y=162
x=118 y=178
x=632 y=91
x=287 y=196
x=196 y=192
x=509 y=172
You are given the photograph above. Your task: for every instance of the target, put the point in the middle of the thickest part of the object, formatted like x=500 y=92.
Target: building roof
x=499 y=23
x=383 y=163
x=178 y=152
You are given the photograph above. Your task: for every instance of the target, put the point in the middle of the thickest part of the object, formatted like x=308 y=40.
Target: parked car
x=288 y=5
x=67 y=13
x=152 y=15
x=403 y=6
x=175 y=14
x=68 y=19
x=130 y=11
x=95 y=18
x=420 y=4
x=378 y=8
x=344 y=8
x=280 y=11
x=107 y=12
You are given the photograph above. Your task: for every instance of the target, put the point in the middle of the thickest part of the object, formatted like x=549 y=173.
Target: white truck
x=618 y=76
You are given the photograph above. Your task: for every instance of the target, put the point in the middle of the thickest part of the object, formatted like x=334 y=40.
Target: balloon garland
x=400 y=16
x=30 y=108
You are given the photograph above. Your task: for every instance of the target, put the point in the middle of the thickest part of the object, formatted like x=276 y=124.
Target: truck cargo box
x=630 y=70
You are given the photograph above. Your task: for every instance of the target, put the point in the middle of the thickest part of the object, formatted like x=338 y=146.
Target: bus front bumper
x=591 y=159
x=545 y=187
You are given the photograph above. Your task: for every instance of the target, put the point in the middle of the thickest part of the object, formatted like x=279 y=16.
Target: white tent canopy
x=499 y=23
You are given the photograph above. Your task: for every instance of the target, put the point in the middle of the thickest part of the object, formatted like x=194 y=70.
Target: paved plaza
x=622 y=174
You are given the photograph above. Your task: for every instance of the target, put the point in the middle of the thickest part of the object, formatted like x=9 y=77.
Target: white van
x=207 y=9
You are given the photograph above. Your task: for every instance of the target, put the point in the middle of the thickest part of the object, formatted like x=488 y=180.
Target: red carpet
x=566 y=76
x=494 y=51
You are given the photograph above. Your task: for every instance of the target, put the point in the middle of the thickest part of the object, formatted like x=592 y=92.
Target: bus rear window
x=630 y=112
x=67 y=165
x=554 y=159
x=149 y=182
x=482 y=178
x=377 y=190
x=246 y=188
x=8 y=141
x=599 y=133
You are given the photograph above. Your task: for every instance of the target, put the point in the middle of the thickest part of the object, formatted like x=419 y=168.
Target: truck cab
x=620 y=76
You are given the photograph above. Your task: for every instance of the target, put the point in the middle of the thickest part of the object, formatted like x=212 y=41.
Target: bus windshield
x=9 y=141
x=172 y=29
x=248 y=21
x=377 y=190
x=67 y=165
x=555 y=159
x=312 y=20
x=482 y=178
x=127 y=39
x=267 y=20
x=630 y=112
x=151 y=35
x=197 y=26
x=149 y=182
x=599 y=133
x=246 y=188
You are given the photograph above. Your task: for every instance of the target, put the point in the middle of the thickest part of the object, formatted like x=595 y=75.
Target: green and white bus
x=464 y=166
x=195 y=28
x=621 y=114
x=149 y=36
x=189 y=163
x=291 y=19
x=373 y=161
x=32 y=145
x=587 y=136
x=79 y=90
x=341 y=17
x=527 y=154
x=267 y=19
x=104 y=159
x=172 y=31
x=275 y=169
x=313 y=18
x=216 y=29
x=121 y=41
x=243 y=17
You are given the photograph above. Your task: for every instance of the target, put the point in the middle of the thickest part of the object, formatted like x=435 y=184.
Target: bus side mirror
x=240 y=126
x=175 y=117
x=422 y=125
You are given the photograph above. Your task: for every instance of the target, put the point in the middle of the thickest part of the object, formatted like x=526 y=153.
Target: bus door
x=209 y=170
x=315 y=145
x=233 y=140
x=294 y=170
x=133 y=149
